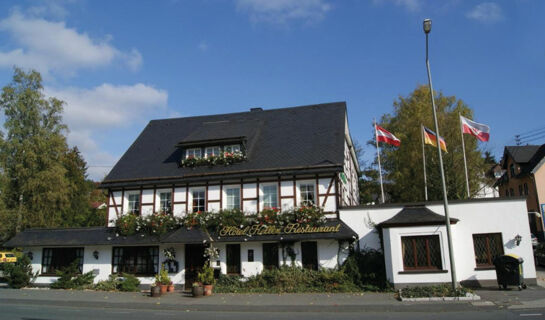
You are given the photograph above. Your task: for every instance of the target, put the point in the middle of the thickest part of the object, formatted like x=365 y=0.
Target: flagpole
x=378 y=157
x=424 y=163
x=464 y=152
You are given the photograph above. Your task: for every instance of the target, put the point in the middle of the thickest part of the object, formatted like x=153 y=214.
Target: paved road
x=28 y=311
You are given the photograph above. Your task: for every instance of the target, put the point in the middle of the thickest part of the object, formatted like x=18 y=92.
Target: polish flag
x=384 y=135
x=478 y=130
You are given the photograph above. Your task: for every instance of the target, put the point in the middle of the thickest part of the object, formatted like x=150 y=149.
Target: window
x=307 y=194
x=198 y=200
x=232 y=252
x=232 y=148
x=270 y=255
x=525 y=189
x=233 y=198
x=135 y=260
x=165 y=202
x=309 y=255
x=520 y=190
x=270 y=196
x=193 y=153
x=212 y=151
x=54 y=259
x=421 y=252
x=512 y=170
x=250 y=255
x=487 y=247
x=134 y=203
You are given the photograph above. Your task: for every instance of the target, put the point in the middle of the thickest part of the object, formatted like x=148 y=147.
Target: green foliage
x=288 y=280
x=71 y=278
x=126 y=282
x=443 y=290
x=162 y=277
x=206 y=276
x=403 y=165
x=226 y=158
x=112 y=284
x=19 y=274
x=367 y=270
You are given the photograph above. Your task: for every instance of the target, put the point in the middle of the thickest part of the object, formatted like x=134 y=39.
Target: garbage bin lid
x=515 y=256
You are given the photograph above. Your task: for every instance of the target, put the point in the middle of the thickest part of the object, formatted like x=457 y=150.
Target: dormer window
x=193 y=153
x=212 y=151
x=232 y=148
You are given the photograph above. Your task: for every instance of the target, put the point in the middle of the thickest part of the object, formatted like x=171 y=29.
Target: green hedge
x=436 y=291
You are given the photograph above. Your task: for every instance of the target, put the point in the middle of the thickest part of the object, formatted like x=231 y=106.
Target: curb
x=468 y=297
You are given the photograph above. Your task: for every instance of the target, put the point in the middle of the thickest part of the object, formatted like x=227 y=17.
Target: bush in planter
x=19 y=274
x=71 y=278
x=443 y=290
x=206 y=276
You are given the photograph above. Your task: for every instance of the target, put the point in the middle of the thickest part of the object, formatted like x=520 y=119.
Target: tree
x=402 y=165
x=42 y=179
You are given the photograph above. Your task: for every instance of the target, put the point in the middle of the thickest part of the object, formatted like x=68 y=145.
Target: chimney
x=256 y=109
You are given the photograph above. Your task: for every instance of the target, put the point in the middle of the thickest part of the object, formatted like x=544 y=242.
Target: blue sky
x=119 y=64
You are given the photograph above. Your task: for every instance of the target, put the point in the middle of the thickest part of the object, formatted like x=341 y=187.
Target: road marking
x=531 y=314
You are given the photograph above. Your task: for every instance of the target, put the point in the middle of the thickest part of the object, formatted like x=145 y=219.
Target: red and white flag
x=478 y=130
x=384 y=135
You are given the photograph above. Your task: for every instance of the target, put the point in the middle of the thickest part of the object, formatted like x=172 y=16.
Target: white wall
x=505 y=216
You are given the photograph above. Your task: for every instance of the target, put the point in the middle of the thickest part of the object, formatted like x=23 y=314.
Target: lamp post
x=427 y=29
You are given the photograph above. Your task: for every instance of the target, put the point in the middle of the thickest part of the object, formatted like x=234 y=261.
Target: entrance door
x=233 y=258
x=270 y=255
x=194 y=261
x=309 y=255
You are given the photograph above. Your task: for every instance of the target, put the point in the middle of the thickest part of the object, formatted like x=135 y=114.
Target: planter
x=197 y=291
x=164 y=288
x=208 y=289
x=155 y=291
x=170 y=288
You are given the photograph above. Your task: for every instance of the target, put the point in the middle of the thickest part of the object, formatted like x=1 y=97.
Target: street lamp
x=427 y=30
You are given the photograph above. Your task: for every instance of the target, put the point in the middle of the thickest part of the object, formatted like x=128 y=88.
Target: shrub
x=367 y=270
x=442 y=290
x=19 y=274
x=162 y=277
x=127 y=282
x=206 y=276
x=288 y=280
x=71 y=278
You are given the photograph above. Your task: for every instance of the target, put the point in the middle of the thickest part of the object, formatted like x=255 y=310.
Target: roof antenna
x=517 y=139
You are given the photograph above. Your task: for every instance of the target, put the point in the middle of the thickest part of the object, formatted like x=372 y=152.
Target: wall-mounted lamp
x=95 y=254
x=518 y=239
x=30 y=255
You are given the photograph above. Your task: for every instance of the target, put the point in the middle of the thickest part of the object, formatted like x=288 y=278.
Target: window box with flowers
x=225 y=158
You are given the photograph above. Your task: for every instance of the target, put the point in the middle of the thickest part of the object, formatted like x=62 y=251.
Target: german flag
x=430 y=138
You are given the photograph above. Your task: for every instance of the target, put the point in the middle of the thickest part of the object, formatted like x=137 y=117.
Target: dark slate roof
x=290 y=138
x=70 y=237
x=415 y=216
x=184 y=235
x=527 y=157
x=76 y=237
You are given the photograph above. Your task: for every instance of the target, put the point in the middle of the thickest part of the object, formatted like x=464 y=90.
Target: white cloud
x=53 y=47
x=487 y=12
x=411 y=5
x=91 y=112
x=284 y=11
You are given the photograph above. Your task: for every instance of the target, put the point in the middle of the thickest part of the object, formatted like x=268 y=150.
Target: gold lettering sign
x=260 y=230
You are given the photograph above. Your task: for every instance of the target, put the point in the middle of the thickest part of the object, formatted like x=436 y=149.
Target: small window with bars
x=134 y=203
x=193 y=153
x=232 y=198
x=165 y=202
x=212 y=151
x=135 y=260
x=270 y=196
x=306 y=191
x=54 y=259
x=198 y=200
x=421 y=252
x=487 y=247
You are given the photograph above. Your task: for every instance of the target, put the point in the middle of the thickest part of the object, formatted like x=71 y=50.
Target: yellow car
x=7 y=257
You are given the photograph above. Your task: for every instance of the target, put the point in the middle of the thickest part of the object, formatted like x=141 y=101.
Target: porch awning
x=415 y=216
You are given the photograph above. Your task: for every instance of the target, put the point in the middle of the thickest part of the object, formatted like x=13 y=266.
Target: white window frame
x=234 y=205
x=300 y=193
x=212 y=148
x=169 y=201
x=195 y=152
x=263 y=201
x=137 y=209
x=233 y=148
x=193 y=198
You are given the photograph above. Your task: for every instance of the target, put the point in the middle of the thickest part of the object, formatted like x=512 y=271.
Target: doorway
x=194 y=261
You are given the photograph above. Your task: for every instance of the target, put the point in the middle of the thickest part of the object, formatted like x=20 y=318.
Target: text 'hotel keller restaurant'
x=261 y=189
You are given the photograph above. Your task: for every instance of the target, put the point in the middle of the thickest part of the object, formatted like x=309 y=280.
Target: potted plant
x=155 y=291
x=170 y=287
x=206 y=276
x=163 y=280
x=197 y=289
